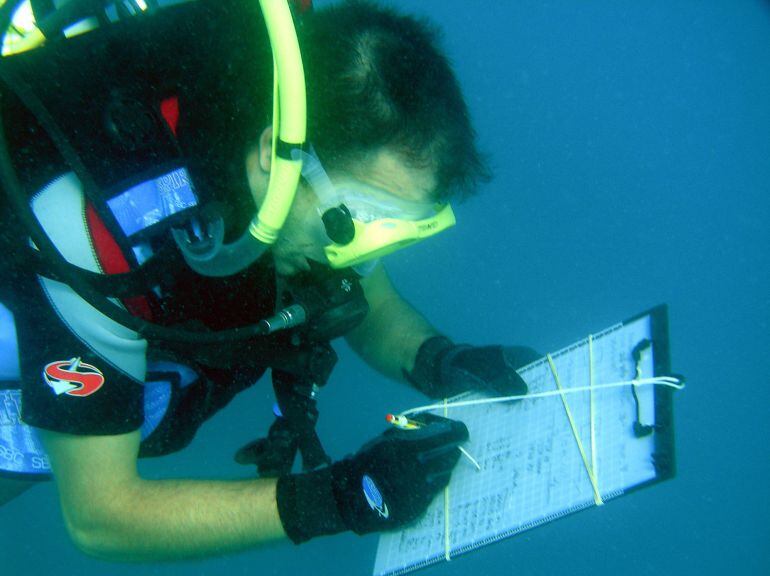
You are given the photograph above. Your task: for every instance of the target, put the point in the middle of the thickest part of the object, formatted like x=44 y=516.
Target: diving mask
x=364 y=222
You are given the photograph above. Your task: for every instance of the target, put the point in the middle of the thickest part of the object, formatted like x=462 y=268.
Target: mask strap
x=336 y=218
x=319 y=180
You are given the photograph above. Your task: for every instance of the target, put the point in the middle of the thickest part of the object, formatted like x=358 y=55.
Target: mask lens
x=367 y=203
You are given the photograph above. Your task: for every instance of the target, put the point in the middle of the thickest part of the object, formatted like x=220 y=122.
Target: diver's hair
x=377 y=78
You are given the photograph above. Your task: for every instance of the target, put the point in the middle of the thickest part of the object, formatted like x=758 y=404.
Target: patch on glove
x=373 y=496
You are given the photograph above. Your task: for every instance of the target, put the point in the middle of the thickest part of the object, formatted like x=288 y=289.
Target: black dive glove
x=389 y=483
x=443 y=369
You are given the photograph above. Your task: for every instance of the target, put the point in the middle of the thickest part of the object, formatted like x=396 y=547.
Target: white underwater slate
x=532 y=470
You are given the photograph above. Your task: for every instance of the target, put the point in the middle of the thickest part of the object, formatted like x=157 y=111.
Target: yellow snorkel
x=211 y=257
x=289 y=122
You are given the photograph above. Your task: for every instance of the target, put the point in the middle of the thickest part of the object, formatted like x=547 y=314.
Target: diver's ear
x=266 y=148
x=258 y=162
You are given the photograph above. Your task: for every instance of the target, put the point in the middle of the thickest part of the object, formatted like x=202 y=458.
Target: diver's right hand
x=388 y=483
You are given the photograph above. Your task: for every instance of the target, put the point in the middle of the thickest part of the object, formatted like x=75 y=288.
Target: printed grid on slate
x=532 y=470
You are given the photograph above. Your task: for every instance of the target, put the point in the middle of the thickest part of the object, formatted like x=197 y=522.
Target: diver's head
x=379 y=80
x=382 y=189
x=389 y=127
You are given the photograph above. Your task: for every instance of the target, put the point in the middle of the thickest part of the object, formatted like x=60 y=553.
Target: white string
x=668 y=381
x=472 y=460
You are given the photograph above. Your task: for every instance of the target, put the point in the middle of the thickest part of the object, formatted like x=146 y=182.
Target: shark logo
x=373 y=497
x=73 y=377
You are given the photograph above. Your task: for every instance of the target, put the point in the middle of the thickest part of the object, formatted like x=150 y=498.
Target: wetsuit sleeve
x=67 y=385
x=81 y=372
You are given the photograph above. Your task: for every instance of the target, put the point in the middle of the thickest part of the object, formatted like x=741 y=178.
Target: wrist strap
x=426 y=375
x=307 y=506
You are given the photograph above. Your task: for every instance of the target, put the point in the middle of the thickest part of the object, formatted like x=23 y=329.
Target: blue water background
x=631 y=142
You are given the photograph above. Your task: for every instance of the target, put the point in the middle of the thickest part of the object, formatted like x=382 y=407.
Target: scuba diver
x=172 y=228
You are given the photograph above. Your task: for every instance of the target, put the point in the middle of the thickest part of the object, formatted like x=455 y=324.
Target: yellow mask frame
x=381 y=237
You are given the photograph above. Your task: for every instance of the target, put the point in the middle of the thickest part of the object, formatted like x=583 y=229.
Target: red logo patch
x=73 y=377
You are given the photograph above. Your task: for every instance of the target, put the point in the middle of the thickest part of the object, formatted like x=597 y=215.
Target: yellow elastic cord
x=591 y=403
x=447 y=540
x=594 y=485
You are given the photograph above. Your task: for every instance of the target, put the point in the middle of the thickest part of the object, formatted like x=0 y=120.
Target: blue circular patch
x=373 y=496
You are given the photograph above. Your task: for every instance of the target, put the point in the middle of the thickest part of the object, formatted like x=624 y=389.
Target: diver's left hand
x=443 y=369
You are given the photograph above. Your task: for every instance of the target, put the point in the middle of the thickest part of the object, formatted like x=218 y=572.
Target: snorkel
x=207 y=254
